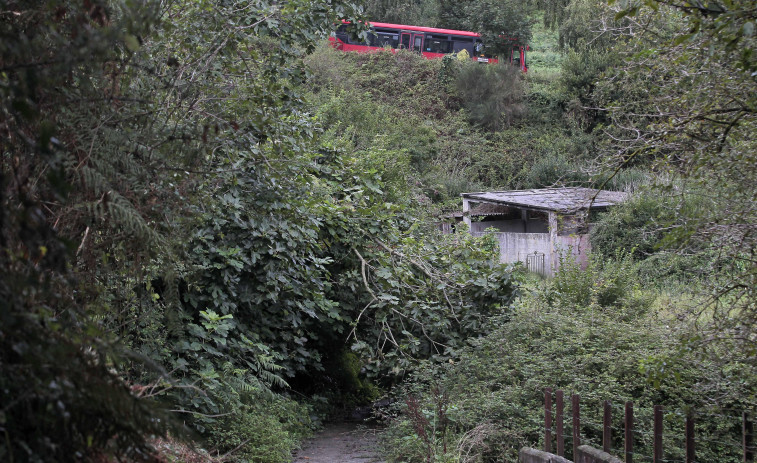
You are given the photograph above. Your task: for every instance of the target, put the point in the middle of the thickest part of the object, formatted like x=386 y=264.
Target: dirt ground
x=341 y=443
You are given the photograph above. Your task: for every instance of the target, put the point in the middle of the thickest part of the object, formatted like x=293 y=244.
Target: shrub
x=604 y=347
x=629 y=180
x=265 y=430
x=553 y=170
x=580 y=73
x=635 y=226
x=602 y=284
x=493 y=95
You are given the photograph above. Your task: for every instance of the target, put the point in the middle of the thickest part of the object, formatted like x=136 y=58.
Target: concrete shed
x=536 y=226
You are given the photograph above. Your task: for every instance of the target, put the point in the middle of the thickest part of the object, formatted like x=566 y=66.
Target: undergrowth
x=594 y=332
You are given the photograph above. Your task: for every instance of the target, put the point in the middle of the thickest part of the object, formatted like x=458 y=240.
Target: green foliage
x=580 y=72
x=553 y=11
x=425 y=430
x=501 y=23
x=363 y=391
x=543 y=56
x=118 y=129
x=266 y=429
x=454 y=14
x=557 y=336
x=415 y=12
x=427 y=298
x=640 y=228
x=653 y=93
x=726 y=25
x=62 y=397
x=554 y=170
x=408 y=105
x=588 y=25
x=491 y=94
x=635 y=227
x=607 y=284
x=179 y=231
x=256 y=258
x=376 y=130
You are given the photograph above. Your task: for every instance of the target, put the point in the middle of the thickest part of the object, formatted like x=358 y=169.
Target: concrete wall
x=528 y=455
x=577 y=245
x=514 y=247
x=586 y=454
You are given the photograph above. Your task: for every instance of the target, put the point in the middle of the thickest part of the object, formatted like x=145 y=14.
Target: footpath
x=341 y=443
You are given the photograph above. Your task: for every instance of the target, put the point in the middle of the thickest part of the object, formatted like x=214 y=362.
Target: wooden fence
x=554 y=423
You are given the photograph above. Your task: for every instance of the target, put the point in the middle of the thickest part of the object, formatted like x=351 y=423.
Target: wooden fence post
x=629 y=432
x=657 y=456
x=607 y=428
x=747 y=433
x=560 y=416
x=689 y=438
x=548 y=420
x=576 y=410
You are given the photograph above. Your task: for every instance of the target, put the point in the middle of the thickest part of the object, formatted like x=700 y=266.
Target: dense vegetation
x=657 y=101
x=209 y=218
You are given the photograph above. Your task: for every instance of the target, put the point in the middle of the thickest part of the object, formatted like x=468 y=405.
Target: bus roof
x=432 y=30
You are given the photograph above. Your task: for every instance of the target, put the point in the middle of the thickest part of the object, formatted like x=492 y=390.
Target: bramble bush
x=587 y=331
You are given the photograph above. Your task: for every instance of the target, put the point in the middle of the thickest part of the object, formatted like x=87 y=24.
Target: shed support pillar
x=466 y=213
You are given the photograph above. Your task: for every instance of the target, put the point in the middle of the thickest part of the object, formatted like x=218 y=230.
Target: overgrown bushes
x=648 y=228
x=590 y=332
x=492 y=95
x=266 y=429
x=461 y=123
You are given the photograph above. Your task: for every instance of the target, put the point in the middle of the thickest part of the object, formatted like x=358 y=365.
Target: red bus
x=431 y=42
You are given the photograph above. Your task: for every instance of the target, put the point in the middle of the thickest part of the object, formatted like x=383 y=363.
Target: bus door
x=411 y=41
x=418 y=42
x=405 y=40
x=515 y=57
x=518 y=57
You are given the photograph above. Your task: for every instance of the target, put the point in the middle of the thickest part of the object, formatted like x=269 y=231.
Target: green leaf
x=132 y=43
x=748 y=29
x=621 y=14
x=682 y=38
x=653 y=4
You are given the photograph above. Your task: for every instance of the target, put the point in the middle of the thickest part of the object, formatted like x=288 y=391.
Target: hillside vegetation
x=629 y=328
x=463 y=127
x=216 y=230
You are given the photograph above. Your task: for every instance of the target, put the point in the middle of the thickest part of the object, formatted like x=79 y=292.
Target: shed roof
x=551 y=199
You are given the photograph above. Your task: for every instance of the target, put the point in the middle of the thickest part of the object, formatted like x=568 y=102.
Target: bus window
x=478 y=49
x=438 y=46
x=342 y=34
x=462 y=43
x=385 y=39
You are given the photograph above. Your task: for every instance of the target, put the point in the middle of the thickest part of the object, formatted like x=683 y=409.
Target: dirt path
x=341 y=443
